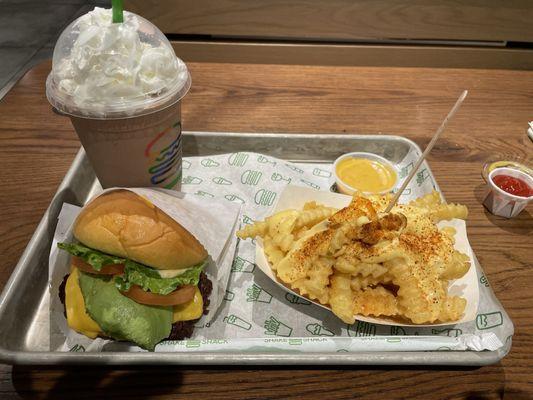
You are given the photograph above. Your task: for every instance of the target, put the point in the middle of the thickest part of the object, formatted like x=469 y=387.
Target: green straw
x=118 y=16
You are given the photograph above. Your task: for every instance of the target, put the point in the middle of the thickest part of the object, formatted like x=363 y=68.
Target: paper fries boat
x=295 y=197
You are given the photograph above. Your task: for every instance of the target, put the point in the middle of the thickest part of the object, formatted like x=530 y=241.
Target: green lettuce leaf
x=94 y=258
x=150 y=280
x=134 y=273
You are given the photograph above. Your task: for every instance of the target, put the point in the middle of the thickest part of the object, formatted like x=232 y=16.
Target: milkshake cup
x=121 y=84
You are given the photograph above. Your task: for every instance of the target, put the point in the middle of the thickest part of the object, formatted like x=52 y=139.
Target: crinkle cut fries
x=362 y=261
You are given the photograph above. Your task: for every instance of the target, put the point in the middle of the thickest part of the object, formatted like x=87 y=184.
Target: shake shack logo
x=164 y=157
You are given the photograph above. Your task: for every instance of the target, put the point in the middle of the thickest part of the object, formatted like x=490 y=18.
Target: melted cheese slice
x=193 y=309
x=77 y=317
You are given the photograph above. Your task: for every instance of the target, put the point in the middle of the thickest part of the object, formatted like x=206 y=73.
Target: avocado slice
x=122 y=318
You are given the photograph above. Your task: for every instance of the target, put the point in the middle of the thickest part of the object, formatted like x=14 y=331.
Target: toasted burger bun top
x=126 y=225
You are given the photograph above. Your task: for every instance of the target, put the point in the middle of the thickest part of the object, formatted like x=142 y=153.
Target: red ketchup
x=512 y=185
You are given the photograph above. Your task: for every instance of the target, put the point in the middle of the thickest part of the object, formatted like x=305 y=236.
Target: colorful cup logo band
x=165 y=160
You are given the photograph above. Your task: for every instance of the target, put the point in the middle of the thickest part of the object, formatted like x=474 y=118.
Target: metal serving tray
x=24 y=315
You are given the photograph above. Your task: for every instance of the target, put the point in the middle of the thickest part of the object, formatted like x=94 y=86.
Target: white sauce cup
x=347 y=189
x=501 y=203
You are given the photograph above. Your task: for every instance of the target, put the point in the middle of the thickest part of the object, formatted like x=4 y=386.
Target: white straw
x=427 y=150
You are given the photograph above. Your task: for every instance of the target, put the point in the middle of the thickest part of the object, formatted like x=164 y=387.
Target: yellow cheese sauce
x=366 y=175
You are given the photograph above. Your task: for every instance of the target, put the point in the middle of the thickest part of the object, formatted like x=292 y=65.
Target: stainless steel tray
x=24 y=319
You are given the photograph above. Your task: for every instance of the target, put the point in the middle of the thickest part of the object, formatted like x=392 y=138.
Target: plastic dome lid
x=103 y=69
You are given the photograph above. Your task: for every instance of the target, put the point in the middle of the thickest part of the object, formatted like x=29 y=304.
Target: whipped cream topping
x=115 y=66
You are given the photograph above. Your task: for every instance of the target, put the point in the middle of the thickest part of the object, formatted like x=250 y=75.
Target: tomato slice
x=111 y=269
x=179 y=296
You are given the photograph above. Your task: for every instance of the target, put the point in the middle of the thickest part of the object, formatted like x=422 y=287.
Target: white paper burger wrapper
x=214 y=225
x=294 y=197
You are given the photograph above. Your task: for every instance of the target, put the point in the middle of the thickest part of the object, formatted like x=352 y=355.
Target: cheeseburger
x=136 y=274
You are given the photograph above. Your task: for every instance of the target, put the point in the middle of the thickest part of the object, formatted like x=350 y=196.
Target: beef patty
x=181 y=329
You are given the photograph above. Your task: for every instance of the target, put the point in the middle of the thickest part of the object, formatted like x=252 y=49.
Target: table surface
x=37 y=147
